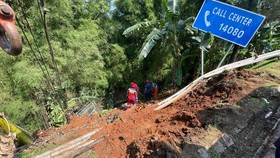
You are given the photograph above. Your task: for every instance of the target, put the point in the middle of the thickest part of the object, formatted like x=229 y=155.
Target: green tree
x=170 y=34
x=266 y=38
x=66 y=55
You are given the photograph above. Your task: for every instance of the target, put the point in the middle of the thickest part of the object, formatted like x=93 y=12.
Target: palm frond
x=139 y=26
x=185 y=54
x=183 y=23
x=172 y=51
x=150 y=42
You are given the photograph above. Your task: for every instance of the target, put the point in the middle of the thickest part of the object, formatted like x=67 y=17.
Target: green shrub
x=24 y=114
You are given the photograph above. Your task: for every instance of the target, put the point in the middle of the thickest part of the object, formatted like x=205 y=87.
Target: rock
x=154 y=138
x=203 y=153
x=219 y=147
x=227 y=140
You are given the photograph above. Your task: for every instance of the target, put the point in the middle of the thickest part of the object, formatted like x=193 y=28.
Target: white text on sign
x=232 y=16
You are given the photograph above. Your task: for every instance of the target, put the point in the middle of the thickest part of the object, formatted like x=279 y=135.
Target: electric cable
x=48 y=40
x=46 y=76
x=36 y=44
x=51 y=49
x=37 y=47
x=34 y=54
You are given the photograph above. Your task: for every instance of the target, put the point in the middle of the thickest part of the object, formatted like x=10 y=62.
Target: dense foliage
x=78 y=48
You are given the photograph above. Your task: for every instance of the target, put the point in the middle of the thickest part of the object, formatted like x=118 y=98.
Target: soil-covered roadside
x=223 y=116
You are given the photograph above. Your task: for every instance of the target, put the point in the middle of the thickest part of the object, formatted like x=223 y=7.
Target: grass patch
x=36 y=151
x=271 y=66
x=91 y=154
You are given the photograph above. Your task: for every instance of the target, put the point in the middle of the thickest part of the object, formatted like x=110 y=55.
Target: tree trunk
x=234 y=54
x=236 y=47
x=174 y=75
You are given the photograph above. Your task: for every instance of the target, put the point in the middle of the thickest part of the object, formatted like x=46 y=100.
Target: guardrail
x=189 y=87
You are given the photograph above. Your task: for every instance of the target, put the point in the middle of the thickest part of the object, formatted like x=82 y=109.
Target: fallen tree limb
x=68 y=146
x=82 y=148
x=188 y=88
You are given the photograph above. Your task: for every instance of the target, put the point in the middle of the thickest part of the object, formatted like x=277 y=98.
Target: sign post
x=228 y=22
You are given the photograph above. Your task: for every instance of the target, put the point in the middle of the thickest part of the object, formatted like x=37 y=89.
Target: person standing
x=148 y=91
x=135 y=86
x=155 y=90
x=132 y=97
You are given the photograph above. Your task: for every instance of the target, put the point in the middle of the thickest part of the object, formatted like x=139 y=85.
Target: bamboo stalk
x=22 y=136
x=82 y=148
x=68 y=146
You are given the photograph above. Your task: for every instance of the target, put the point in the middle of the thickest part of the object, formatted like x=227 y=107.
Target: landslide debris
x=222 y=117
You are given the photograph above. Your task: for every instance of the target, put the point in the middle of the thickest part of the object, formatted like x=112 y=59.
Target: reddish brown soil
x=143 y=132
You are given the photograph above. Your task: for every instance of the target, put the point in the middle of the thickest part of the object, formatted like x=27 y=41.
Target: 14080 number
x=231 y=30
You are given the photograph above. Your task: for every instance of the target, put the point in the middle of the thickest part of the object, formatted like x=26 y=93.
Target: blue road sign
x=228 y=22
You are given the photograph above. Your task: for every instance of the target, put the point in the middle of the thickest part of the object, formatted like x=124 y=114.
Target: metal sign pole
x=229 y=49
x=202 y=62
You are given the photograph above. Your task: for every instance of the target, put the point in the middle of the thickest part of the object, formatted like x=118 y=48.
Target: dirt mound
x=223 y=116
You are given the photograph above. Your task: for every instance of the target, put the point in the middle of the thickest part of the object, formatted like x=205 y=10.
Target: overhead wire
x=34 y=54
x=46 y=76
x=43 y=16
x=36 y=44
x=46 y=33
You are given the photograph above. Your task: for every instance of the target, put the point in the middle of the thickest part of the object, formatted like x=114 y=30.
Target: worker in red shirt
x=132 y=97
x=135 y=86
